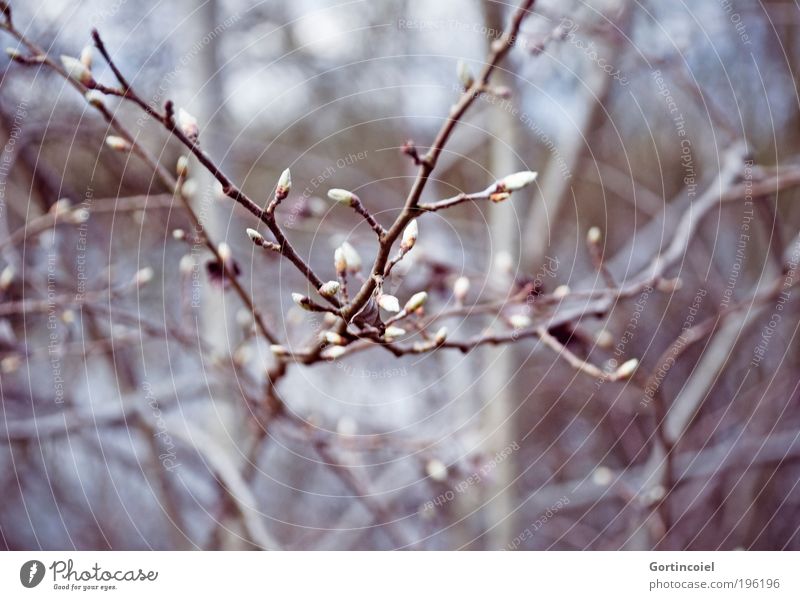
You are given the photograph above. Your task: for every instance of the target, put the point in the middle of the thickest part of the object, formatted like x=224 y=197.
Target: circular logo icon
x=31 y=573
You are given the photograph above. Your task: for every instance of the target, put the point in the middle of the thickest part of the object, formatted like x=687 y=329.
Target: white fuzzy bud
x=11 y=363
x=79 y=216
x=627 y=368
x=284 y=184
x=255 y=237
x=182 y=167
x=593 y=236
x=86 y=57
x=503 y=262
x=61 y=207
x=178 y=234
x=188 y=124
x=279 y=351
x=224 y=252
x=331 y=337
x=393 y=332
x=351 y=257
x=143 y=276
x=339 y=261
x=190 y=187
x=461 y=288
x=302 y=301
x=669 y=285
x=334 y=352
x=76 y=70
x=602 y=476
x=389 y=303
x=117 y=143
x=440 y=336
x=7 y=277
x=329 y=289
x=187 y=264
x=242 y=356
x=604 y=338
x=519 y=321
x=561 y=291
x=346 y=426
x=415 y=302
x=94 y=98
x=341 y=196
x=410 y=234
x=436 y=469
x=517 y=181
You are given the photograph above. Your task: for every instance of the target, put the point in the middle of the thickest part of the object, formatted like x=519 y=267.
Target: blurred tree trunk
x=500 y=365
x=206 y=88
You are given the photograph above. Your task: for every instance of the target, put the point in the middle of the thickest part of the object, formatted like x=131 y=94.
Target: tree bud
x=516 y=181
x=342 y=196
x=460 y=289
x=410 y=234
x=284 y=185
x=389 y=303
x=188 y=125
x=329 y=289
x=77 y=71
x=627 y=368
x=351 y=257
x=415 y=302
x=117 y=143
